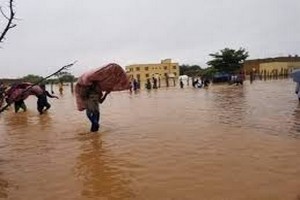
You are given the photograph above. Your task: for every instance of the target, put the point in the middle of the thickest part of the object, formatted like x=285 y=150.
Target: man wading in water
x=93 y=96
x=42 y=101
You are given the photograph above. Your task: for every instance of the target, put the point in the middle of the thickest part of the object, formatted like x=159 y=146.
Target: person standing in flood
x=135 y=85
x=148 y=84
x=42 y=102
x=181 y=83
x=61 y=89
x=93 y=96
x=154 y=83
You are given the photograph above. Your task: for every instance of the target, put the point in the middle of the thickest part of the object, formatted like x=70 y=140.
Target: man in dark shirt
x=42 y=101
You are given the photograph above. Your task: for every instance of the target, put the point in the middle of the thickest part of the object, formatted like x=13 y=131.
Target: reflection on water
x=3 y=187
x=224 y=142
x=94 y=169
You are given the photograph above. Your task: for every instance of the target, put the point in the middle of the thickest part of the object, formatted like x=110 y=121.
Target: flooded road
x=224 y=142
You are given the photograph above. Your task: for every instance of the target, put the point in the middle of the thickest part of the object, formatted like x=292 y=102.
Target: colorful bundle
x=111 y=77
x=21 y=91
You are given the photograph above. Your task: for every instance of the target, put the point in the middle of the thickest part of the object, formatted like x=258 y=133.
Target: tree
x=208 y=72
x=65 y=77
x=190 y=70
x=10 y=18
x=32 y=78
x=228 y=60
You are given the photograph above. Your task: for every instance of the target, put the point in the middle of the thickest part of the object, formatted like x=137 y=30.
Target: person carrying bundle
x=92 y=97
x=92 y=84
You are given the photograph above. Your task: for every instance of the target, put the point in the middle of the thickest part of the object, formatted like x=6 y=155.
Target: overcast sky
x=52 y=33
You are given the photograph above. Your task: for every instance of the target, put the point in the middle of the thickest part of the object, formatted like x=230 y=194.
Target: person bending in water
x=93 y=97
x=42 y=101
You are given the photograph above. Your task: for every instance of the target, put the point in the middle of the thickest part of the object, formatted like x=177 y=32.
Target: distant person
x=72 y=87
x=251 y=77
x=233 y=78
x=130 y=87
x=239 y=79
x=135 y=85
x=195 y=83
x=206 y=82
x=51 y=85
x=93 y=96
x=60 y=88
x=139 y=84
x=42 y=102
x=297 y=91
x=154 y=83
x=181 y=83
x=148 y=84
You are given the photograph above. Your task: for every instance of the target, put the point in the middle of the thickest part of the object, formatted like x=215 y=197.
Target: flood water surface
x=224 y=142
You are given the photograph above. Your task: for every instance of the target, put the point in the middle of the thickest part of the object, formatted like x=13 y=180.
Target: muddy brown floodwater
x=225 y=142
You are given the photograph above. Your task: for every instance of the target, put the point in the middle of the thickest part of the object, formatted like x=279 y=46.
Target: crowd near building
x=278 y=66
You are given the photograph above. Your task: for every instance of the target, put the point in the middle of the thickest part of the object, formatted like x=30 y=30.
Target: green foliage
x=228 y=60
x=209 y=72
x=32 y=78
x=190 y=70
x=62 y=77
x=67 y=77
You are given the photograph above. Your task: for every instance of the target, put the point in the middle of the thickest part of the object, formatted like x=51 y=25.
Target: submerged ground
x=224 y=142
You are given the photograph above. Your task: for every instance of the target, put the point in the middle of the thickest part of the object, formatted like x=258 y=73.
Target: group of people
x=42 y=101
x=92 y=97
x=134 y=85
x=201 y=83
x=237 y=79
x=154 y=84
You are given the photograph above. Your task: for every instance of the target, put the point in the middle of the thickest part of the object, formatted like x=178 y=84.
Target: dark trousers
x=94 y=117
x=20 y=104
x=41 y=105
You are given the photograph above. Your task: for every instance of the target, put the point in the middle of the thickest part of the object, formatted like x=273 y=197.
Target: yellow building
x=142 y=72
x=278 y=68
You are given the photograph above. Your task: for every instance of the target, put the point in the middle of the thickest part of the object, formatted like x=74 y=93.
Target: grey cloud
x=54 y=32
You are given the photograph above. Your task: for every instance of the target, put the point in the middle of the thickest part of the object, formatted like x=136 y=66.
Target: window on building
x=175 y=73
x=166 y=74
x=146 y=68
x=137 y=69
x=165 y=67
x=174 y=67
x=147 y=75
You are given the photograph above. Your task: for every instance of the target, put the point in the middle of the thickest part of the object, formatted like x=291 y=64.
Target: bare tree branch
x=3 y=13
x=10 y=19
